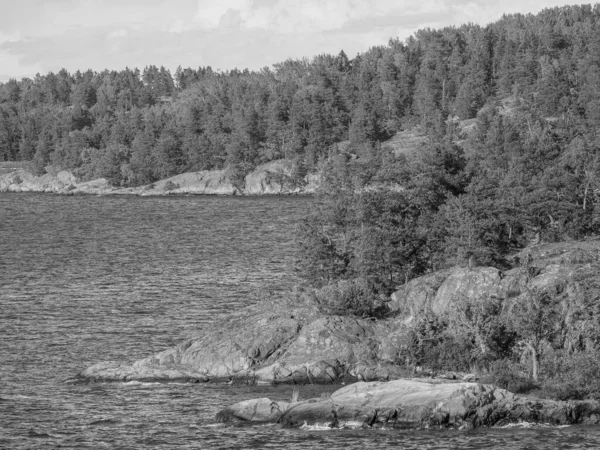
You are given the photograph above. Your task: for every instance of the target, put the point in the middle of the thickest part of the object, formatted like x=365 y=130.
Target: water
x=88 y=279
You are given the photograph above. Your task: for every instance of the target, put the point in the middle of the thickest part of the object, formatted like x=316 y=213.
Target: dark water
x=87 y=279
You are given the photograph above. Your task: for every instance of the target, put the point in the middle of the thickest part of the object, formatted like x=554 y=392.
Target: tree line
x=134 y=127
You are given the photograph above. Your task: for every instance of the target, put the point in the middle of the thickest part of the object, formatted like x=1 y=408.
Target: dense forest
x=508 y=117
x=135 y=127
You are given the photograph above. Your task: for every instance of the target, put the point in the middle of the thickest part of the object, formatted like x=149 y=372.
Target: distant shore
x=273 y=178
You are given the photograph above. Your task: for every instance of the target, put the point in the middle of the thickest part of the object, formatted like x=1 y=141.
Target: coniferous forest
x=503 y=122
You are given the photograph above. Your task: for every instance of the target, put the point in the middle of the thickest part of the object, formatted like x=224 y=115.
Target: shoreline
x=273 y=178
x=290 y=341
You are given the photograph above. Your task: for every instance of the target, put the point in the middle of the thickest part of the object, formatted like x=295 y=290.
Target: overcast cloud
x=38 y=36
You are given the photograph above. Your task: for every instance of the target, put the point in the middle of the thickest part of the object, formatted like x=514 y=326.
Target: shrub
x=571 y=376
x=346 y=298
x=432 y=346
x=454 y=353
x=170 y=186
x=509 y=375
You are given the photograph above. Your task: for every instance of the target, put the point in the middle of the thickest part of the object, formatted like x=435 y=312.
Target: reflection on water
x=87 y=279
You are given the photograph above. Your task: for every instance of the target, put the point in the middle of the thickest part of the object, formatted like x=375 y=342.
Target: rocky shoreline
x=291 y=342
x=413 y=404
x=273 y=178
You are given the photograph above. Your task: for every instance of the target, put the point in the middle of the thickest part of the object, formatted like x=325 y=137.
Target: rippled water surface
x=88 y=279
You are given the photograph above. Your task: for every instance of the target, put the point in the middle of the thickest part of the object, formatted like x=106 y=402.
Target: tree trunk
x=535 y=362
x=483 y=348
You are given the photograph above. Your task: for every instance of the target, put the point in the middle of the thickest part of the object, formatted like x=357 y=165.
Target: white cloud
x=120 y=33
x=210 y=12
x=11 y=66
x=45 y=35
x=178 y=26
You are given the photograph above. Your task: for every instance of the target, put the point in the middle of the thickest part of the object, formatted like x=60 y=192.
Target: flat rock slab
x=414 y=404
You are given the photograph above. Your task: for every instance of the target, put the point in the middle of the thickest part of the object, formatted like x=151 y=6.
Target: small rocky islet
x=291 y=342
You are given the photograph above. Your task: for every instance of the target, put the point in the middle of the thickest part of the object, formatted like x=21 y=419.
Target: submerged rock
x=414 y=404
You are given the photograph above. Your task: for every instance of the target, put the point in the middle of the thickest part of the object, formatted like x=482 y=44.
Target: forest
x=135 y=127
x=508 y=151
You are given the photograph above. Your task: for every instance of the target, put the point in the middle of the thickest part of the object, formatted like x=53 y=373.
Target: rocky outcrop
x=294 y=343
x=56 y=182
x=552 y=268
x=270 y=344
x=273 y=178
x=414 y=404
x=256 y=410
x=211 y=182
x=232 y=348
x=21 y=180
x=277 y=177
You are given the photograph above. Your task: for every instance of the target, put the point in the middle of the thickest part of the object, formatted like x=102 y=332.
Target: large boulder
x=414 y=404
x=256 y=410
x=277 y=177
x=398 y=403
x=22 y=180
x=326 y=350
x=418 y=294
x=544 y=267
x=8 y=180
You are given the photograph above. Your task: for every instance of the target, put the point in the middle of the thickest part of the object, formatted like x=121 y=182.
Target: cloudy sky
x=38 y=36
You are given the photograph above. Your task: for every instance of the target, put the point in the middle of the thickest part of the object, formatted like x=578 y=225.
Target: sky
x=39 y=36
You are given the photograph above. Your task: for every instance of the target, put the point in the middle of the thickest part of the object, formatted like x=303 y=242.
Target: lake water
x=88 y=279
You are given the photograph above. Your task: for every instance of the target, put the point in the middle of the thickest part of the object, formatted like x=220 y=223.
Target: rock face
x=292 y=343
x=414 y=404
x=277 y=177
x=21 y=180
x=231 y=349
x=273 y=178
x=556 y=267
x=271 y=344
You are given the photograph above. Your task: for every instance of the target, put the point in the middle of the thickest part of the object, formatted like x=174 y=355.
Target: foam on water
x=532 y=425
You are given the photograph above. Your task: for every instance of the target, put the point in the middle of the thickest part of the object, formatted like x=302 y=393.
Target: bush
x=507 y=374
x=346 y=298
x=170 y=186
x=432 y=346
x=571 y=376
